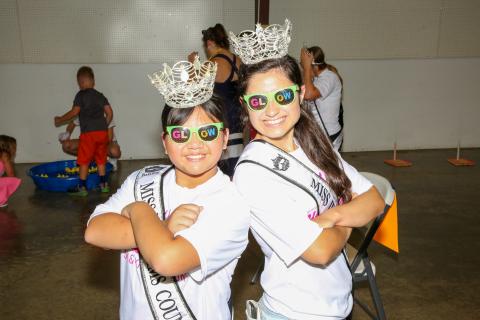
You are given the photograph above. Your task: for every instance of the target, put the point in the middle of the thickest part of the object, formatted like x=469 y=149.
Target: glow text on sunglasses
x=208 y=132
x=181 y=134
x=259 y=101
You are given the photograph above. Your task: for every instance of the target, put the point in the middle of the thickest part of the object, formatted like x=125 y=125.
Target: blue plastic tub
x=52 y=169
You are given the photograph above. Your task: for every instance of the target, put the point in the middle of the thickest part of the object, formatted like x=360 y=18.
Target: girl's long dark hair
x=313 y=141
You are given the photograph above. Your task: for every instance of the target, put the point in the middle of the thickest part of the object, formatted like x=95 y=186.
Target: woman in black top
x=217 y=48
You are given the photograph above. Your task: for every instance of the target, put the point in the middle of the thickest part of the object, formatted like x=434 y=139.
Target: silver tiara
x=186 y=84
x=263 y=43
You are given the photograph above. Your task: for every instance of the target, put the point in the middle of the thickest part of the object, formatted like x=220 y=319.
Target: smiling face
x=196 y=160
x=275 y=123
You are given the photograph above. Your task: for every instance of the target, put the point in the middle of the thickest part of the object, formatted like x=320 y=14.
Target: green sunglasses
x=207 y=133
x=259 y=101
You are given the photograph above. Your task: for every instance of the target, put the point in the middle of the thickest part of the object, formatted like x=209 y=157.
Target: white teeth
x=274 y=122
x=196 y=157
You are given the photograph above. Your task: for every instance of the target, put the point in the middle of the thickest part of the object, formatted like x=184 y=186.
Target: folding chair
x=363 y=270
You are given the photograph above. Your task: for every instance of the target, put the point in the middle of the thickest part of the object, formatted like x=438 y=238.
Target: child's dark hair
x=314 y=142
x=214 y=108
x=319 y=59
x=218 y=35
x=85 y=71
x=6 y=144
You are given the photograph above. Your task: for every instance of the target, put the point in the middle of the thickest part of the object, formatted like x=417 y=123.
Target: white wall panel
x=143 y=31
x=106 y=31
x=238 y=15
x=362 y=29
x=10 y=44
x=428 y=103
x=376 y=29
x=460 y=29
x=32 y=94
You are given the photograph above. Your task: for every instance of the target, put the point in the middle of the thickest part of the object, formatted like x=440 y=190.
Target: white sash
x=288 y=167
x=164 y=296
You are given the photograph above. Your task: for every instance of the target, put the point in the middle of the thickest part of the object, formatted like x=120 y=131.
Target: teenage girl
x=306 y=275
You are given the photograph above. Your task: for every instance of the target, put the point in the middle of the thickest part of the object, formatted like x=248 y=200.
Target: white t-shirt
x=219 y=236
x=280 y=221
x=328 y=104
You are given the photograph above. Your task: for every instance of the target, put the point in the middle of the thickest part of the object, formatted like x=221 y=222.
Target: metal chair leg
x=375 y=293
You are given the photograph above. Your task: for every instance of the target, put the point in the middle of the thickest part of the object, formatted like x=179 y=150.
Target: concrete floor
x=48 y=272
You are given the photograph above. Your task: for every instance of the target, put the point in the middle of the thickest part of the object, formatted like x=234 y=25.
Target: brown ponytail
x=218 y=35
x=313 y=141
x=319 y=60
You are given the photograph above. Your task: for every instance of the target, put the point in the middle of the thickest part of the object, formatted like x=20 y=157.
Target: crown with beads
x=186 y=84
x=264 y=43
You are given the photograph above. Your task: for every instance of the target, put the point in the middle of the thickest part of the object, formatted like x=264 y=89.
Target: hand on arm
x=58 y=120
x=356 y=213
x=183 y=217
x=167 y=255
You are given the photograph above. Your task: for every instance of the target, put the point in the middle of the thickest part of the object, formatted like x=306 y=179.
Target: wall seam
x=20 y=34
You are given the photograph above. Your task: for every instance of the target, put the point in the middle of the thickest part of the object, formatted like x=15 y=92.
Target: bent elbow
x=89 y=236
x=326 y=257
x=311 y=94
x=319 y=256
x=162 y=264
x=380 y=203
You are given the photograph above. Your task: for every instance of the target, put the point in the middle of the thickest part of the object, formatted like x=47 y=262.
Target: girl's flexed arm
x=355 y=213
x=167 y=255
x=110 y=231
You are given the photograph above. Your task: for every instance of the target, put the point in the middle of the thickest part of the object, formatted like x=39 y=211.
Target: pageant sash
x=286 y=166
x=164 y=296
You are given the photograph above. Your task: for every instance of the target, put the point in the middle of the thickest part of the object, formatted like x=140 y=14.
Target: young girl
x=295 y=184
x=8 y=184
x=323 y=91
x=181 y=228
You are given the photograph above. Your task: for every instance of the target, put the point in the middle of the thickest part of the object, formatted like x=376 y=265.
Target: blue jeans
x=267 y=314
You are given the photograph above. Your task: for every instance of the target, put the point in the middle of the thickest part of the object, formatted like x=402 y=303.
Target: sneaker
x=78 y=191
x=113 y=162
x=104 y=187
